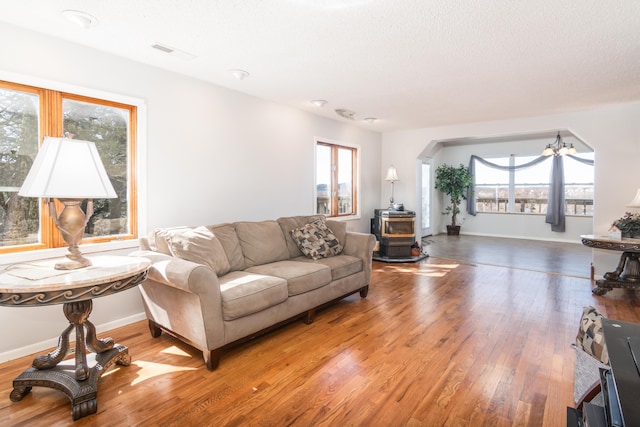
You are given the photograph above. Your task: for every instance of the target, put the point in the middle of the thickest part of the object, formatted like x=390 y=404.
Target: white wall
x=612 y=131
x=212 y=155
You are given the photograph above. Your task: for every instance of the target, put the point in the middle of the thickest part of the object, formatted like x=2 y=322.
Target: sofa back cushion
x=292 y=222
x=200 y=245
x=226 y=233
x=261 y=242
x=339 y=229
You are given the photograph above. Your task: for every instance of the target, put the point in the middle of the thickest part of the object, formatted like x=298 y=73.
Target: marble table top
x=38 y=283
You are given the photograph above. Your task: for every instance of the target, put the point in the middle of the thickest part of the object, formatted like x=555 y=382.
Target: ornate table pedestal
x=627 y=273
x=77 y=378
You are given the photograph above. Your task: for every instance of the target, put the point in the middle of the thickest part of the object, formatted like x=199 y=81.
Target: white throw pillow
x=200 y=245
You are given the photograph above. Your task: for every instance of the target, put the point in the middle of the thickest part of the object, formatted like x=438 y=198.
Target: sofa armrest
x=178 y=273
x=361 y=245
x=184 y=297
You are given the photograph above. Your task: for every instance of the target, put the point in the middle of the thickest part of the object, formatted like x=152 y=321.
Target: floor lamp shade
x=71 y=171
x=68 y=169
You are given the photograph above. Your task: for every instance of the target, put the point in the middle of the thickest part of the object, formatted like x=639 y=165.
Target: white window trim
x=141 y=156
x=316 y=140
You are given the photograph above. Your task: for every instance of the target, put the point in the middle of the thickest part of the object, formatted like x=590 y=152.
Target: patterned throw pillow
x=590 y=336
x=316 y=240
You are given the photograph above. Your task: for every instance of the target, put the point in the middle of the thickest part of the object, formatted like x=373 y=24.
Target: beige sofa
x=217 y=285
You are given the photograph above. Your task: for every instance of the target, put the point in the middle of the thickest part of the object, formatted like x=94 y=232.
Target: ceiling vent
x=347 y=114
x=173 y=51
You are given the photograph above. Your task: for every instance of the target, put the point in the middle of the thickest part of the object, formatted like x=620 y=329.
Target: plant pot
x=415 y=251
x=453 y=230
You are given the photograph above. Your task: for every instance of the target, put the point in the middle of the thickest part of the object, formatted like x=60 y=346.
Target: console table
x=37 y=284
x=627 y=273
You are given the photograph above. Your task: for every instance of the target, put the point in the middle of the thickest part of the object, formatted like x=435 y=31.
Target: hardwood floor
x=571 y=259
x=435 y=343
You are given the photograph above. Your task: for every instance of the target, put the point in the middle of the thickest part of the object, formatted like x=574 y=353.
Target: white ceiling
x=409 y=63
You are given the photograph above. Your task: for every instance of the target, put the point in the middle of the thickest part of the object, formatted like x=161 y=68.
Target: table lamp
x=392 y=176
x=69 y=170
x=635 y=203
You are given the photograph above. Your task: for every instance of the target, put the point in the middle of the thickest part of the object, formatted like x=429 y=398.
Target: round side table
x=627 y=273
x=37 y=284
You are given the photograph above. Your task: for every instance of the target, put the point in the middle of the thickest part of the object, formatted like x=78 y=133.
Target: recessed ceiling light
x=239 y=74
x=81 y=19
x=370 y=120
x=319 y=102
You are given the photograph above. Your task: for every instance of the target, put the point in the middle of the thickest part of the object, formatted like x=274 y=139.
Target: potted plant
x=453 y=181
x=415 y=249
x=629 y=224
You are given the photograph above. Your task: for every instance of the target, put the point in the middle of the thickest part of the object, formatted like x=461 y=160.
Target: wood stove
x=395 y=232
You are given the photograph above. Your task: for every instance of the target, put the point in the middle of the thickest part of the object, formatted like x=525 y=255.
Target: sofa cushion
x=200 y=245
x=316 y=240
x=158 y=238
x=341 y=266
x=288 y=223
x=301 y=277
x=261 y=242
x=339 y=228
x=245 y=293
x=226 y=233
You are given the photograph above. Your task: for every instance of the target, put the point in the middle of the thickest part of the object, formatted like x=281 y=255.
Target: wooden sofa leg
x=310 y=316
x=364 y=291
x=154 y=329
x=212 y=358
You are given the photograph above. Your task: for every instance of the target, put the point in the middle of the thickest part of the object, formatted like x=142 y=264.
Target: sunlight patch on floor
x=436 y=270
x=175 y=351
x=148 y=370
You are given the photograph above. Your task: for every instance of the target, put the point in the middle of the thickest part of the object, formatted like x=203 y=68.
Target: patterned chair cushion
x=590 y=336
x=316 y=240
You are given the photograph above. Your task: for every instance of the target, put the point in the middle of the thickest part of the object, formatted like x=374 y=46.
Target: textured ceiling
x=409 y=63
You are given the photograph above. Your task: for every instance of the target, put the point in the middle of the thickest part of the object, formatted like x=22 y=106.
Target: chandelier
x=558 y=148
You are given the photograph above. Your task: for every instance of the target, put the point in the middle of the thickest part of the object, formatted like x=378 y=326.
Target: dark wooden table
x=36 y=284
x=627 y=273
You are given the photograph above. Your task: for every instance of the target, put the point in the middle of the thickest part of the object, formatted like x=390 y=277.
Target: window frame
x=355 y=178
x=51 y=95
x=511 y=206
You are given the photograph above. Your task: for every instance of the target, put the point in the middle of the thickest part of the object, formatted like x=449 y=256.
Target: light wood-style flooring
x=435 y=343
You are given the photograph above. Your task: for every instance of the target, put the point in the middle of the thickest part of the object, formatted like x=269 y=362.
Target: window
x=336 y=179
x=26 y=115
x=492 y=187
x=531 y=186
x=527 y=190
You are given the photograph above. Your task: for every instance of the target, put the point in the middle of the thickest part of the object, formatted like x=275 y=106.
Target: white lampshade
x=67 y=169
x=392 y=175
x=635 y=203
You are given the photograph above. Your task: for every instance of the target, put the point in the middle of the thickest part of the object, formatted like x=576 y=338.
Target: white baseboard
x=511 y=236
x=53 y=342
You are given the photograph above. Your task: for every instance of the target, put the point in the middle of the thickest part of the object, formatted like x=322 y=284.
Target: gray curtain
x=555 y=206
x=555 y=209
